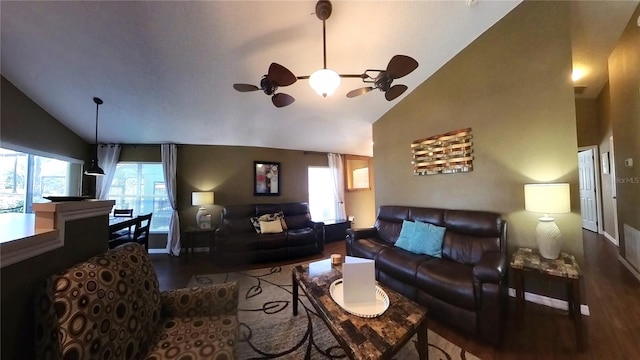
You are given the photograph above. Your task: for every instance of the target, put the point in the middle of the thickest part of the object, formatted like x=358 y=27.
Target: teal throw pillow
x=428 y=238
x=406 y=236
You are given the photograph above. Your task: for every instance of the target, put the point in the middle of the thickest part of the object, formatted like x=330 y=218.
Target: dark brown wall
x=83 y=238
x=624 y=97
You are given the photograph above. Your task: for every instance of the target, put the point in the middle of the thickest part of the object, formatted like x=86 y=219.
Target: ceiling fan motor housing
x=383 y=81
x=323 y=9
x=268 y=86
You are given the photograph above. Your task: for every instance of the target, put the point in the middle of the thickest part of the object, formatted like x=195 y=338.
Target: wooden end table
x=361 y=338
x=191 y=233
x=564 y=269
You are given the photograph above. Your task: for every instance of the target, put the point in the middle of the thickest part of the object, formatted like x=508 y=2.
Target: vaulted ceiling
x=165 y=69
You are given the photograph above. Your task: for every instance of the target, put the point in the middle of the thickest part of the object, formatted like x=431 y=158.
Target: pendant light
x=94 y=169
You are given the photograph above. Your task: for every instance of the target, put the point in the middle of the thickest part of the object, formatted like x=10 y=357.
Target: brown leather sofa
x=237 y=241
x=466 y=288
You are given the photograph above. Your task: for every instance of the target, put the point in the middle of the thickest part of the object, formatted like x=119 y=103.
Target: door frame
x=614 y=193
x=596 y=175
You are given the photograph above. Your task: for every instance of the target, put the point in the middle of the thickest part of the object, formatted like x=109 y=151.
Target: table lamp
x=547 y=199
x=202 y=198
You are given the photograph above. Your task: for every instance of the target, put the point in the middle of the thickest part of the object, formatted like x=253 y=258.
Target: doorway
x=589 y=189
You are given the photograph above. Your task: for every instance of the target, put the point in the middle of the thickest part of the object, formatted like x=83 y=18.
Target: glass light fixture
x=324 y=82
x=94 y=169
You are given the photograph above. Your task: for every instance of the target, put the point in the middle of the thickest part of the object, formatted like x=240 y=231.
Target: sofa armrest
x=201 y=300
x=355 y=234
x=491 y=268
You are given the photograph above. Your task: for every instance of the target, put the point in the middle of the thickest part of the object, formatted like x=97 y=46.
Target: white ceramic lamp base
x=200 y=217
x=548 y=238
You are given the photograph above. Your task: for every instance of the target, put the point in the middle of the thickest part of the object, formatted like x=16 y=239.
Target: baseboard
x=549 y=301
x=629 y=267
x=611 y=238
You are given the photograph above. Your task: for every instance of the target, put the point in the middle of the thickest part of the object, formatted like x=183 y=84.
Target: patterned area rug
x=268 y=329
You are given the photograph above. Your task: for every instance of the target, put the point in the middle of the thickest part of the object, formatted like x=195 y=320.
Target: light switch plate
x=628 y=162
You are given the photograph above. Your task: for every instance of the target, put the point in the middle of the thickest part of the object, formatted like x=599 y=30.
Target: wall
x=587 y=122
x=624 y=80
x=26 y=124
x=83 y=238
x=512 y=86
x=606 y=180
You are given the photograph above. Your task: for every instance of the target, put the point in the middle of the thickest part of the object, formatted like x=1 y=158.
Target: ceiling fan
x=326 y=81
x=277 y=76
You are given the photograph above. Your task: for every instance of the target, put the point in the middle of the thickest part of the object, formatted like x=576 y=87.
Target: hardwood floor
x=611 y=292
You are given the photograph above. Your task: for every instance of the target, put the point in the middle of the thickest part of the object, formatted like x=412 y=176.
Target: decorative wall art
x=266 y=178
x=443 y=154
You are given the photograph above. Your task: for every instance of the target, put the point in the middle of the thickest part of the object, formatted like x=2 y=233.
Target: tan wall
x=512 y=86
x=587 y=122
x=624 y=80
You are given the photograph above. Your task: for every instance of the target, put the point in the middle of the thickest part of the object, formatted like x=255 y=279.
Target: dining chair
x=141 y=230
x=122 y=212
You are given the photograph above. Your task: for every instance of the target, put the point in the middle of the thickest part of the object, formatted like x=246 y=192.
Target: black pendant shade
x=94 y=169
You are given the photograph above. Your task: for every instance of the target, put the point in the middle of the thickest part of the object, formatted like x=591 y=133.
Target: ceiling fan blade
x=245 y=87
x=281 y=100
x=401 y=65
x=395 y=91
x=281 y=75
x=358 y=92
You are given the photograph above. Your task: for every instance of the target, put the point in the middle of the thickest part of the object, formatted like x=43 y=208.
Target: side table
x=193 y=232
x=564 y=269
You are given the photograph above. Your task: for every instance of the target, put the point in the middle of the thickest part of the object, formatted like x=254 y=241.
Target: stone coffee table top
x=362 y=338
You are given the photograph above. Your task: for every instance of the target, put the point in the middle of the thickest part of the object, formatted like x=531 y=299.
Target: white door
x=588 y=204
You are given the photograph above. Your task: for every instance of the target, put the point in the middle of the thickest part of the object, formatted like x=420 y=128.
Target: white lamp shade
x=324 y=82
x=202 y=198
x=547 y=198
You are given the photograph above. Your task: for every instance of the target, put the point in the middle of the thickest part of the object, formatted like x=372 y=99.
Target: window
x=141 y=187
x=322 y=203
x=25 y=178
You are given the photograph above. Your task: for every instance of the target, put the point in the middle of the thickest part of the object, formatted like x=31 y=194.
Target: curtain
x=108 y=155
x=169 y=154
x=337 y=172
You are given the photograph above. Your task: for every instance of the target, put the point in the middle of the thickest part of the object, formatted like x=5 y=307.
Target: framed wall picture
x=266 y=178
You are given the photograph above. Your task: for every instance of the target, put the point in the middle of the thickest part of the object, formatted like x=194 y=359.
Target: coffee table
x=361 y=338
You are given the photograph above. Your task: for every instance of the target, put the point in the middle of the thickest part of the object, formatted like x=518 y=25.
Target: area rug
x=268 y=329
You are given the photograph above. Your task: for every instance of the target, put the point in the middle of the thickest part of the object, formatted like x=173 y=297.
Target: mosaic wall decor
x=443 y=154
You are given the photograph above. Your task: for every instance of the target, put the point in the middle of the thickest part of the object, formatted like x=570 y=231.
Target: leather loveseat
x=238 y=240
x=466 y=288
x=110 y=307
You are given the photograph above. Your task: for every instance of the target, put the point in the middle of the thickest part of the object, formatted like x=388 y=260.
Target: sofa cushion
x=428 y=238
x=297 y=237
x=198 y=337
x=448 y=281
x=399 y=263
x=270 y=227
x=271 y=241
x=255 y=221
x=405 y=239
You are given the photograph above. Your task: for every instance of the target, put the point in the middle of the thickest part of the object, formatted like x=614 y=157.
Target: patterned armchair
x=110 y=307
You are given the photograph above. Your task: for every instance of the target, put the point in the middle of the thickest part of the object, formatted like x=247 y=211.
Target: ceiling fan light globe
x=324 y=82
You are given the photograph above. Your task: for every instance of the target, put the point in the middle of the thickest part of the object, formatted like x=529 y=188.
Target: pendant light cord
x=324 y=44
x=97 y=106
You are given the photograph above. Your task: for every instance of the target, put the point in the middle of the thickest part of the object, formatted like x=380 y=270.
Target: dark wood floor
x=611 y=292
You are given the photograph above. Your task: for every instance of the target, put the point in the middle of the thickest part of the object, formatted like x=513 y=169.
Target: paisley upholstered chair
x=110 y=307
